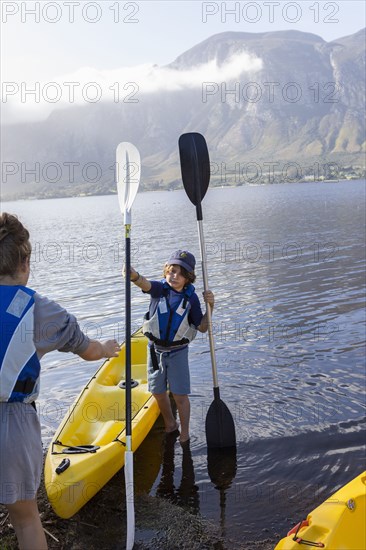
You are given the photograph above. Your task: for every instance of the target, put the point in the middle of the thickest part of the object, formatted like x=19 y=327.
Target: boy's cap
x=183 y=258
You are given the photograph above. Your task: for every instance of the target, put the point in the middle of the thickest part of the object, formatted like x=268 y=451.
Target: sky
x=123 y=46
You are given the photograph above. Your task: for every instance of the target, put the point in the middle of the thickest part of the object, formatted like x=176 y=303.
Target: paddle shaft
x=128 y=454
x=128 y=335
x=201 y=238
x=208 y=307
x=128 y=179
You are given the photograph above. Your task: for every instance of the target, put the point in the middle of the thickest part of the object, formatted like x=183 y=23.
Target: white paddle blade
x=130 y=506
x=128 y=172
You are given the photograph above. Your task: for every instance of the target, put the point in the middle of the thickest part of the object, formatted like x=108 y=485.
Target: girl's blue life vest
x=19 y=364
x=166 y=325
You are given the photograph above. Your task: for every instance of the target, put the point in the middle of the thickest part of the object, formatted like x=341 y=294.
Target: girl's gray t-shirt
x=56 y=329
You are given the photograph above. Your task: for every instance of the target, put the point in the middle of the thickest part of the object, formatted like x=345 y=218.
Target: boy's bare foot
x=172 y=429
x=184 y=438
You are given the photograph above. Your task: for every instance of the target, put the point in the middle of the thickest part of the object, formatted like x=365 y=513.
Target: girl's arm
x=99 y=350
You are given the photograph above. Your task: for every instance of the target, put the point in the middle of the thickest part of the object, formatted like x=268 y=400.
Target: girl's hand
x=110 y=348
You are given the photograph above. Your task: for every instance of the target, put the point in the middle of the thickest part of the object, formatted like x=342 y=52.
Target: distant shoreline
x=104 y=193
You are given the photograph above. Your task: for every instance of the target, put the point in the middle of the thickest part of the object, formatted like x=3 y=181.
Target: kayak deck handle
x=294 y=531
x=64 y=464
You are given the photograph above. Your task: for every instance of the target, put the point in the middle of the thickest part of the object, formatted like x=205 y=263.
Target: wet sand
x=101 y=525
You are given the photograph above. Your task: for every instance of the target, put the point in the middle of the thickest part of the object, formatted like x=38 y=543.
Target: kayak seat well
x=108 y=432
x=100 y=417
x=111 y=399
x=114 y=375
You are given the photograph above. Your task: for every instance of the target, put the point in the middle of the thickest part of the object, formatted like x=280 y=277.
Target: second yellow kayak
x=337 y=524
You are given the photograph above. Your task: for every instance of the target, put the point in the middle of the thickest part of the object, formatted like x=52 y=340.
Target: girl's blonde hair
x=15 y=247
x=188 y=275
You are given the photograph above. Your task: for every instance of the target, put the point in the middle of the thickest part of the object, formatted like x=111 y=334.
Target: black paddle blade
x=220 y=428
x=195 y=166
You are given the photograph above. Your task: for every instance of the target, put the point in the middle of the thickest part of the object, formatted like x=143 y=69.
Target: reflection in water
x=148 y=458
x=221 y=465
x=186 y=495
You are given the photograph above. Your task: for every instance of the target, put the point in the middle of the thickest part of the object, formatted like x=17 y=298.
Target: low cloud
x=31 y=101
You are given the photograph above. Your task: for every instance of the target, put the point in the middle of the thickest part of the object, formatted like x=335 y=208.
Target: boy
x=171 y=324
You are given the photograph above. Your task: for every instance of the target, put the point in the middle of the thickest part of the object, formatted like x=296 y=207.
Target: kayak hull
x=92 y=435
x=337 y=524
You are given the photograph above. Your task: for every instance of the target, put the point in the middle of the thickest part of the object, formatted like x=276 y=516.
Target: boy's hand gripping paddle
x=195 y=166
x=128 y=171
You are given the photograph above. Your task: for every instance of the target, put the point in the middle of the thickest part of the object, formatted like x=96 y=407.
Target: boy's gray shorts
x=173 y=373
x=21 y=455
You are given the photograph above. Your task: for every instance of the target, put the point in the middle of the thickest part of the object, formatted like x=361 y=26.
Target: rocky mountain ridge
x=298 y=111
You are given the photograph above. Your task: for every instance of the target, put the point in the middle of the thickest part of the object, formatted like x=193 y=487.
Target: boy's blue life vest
x=19 y=364
x=168 y=326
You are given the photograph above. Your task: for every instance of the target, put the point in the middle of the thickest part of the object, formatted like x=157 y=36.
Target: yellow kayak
x=337 y=524
x=89 y=446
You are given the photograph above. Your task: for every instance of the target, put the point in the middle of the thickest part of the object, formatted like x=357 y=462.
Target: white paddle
x=128 y=172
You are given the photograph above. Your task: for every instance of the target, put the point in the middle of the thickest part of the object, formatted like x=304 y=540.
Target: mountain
x=299 y=107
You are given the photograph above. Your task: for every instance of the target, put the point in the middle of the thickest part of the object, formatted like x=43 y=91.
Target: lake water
x=286 y=263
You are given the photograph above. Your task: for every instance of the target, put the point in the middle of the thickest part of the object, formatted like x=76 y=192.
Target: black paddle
x=195 y=166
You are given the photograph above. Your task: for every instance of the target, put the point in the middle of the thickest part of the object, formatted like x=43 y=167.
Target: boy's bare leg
x=184 y=409
x=166 y=410
x=24 y=516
